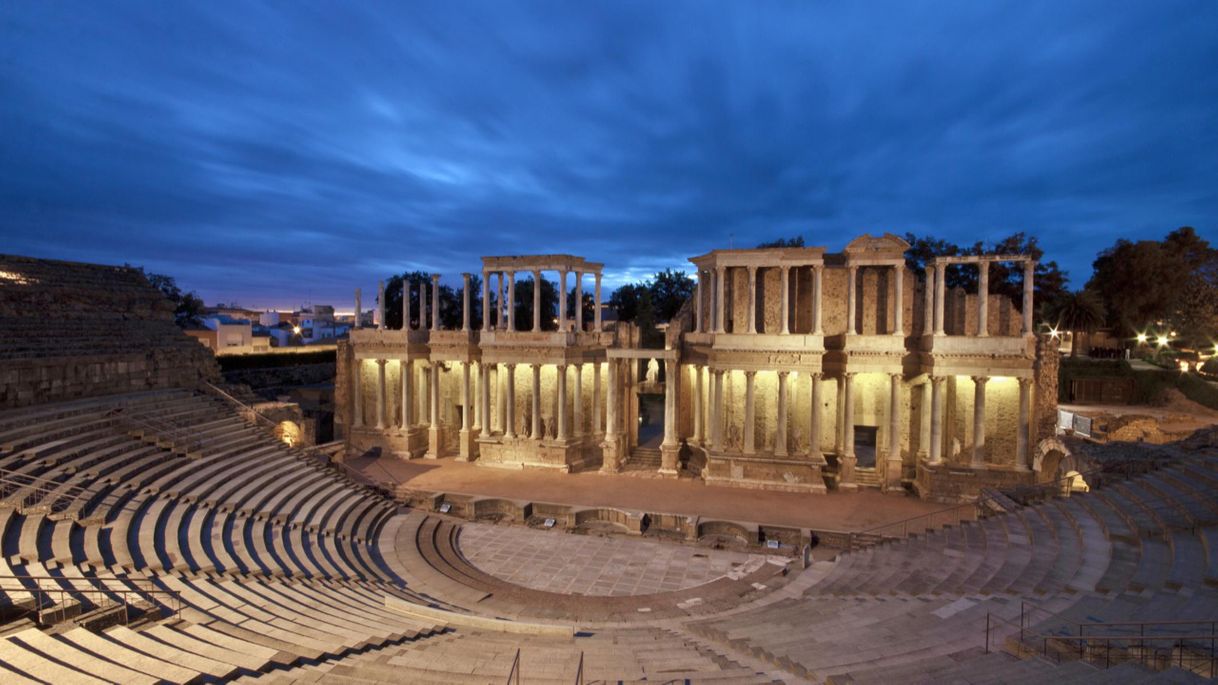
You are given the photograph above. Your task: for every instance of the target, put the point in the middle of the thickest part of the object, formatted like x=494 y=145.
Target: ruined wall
x=70 y=330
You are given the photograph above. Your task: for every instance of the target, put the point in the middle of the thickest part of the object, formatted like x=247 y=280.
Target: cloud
x=272 y=154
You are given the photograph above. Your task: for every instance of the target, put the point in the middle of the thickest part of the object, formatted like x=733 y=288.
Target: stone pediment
x=887 y=246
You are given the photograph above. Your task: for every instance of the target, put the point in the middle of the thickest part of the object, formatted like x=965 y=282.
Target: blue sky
x=282 y=152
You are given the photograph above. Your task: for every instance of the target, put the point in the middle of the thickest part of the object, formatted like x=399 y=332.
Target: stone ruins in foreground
x=790 y=369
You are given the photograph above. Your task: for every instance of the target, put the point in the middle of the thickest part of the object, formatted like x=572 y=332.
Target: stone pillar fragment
x=358 y=306
x=940 y=295
x=721 y=300
x=1029 y=275
x=380 y=306
x=465 y=312
x=786 y=299
x=752 y=299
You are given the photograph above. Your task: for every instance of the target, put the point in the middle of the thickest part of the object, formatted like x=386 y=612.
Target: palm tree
x=1078 y=312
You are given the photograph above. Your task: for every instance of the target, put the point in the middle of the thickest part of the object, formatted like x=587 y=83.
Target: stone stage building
x=790 y=369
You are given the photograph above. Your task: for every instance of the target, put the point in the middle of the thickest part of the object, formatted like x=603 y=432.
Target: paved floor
x=591 y=564
x=834 y=511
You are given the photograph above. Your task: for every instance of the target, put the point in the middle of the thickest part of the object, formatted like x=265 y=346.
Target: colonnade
x=936 y=292
x=506 y=306
x=712 y=283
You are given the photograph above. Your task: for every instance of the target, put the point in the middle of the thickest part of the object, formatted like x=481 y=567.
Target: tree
x=669 y=290
x=627 y=299
x=797 y=241
x=1171 y=283
x=188 y=307
x=1077 y=312
x=524 y=305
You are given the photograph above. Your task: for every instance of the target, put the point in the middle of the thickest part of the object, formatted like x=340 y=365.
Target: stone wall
x=73 y=330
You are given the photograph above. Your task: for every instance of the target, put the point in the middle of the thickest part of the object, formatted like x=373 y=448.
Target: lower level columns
x=433 y=410
x=716 y=410
x=698 y=406
x=577 y=402
x=670 y=449
x=484 y=400
x=357 y=393
x=611 y=446
x=846 y=458
x=508 y=399
x=535 y=423
x=380 y=393
x=465 y=438
x=780 y=437
x=892 y=462
x=814 y=438
x=1024 y=429
x=936 y=419
x=979 y=421
x=563 y=431
x=407 y=395
x=597 y=426
x=750 y=412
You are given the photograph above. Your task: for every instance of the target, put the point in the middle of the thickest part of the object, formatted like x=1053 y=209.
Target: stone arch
x=1050 y=453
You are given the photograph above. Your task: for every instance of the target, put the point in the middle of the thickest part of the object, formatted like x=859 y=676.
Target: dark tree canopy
x=188 y=307
x=1077 y=312
x=797 y=241
x=450 y=301
x=524 y=305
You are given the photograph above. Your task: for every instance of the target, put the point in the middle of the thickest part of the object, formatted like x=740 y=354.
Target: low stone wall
x=955 y=484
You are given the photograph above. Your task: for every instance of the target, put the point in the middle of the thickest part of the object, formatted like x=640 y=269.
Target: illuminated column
x=611 y=398
x=357 y=308
x=535 y=427
x=380 y=306
x=940 y=291
x=596 y=309
x=484 y=396
x=465 y=303
x=698 y=302
x=486 y=303
x=780 y=440
x=814 y=427
x=983 y=299
x=577 y=406
x=509 y=398
x=1023 y=431
x=721 y=300
x=928 y=314
x=786 y=299
x=380 y=393
x=924 y=422
x=750 y=410
x=500 y=304
x=898 y=315
x=562 y=432
x=407 y=395
x=357 y=393
x=435 y=302
x=511 y=301
x=847 y=459
x=818 y=299
x=405 y=305
x=717 y=411
x=596 y=399
x=467 y=397
x=670 y=449
x=979 y=421
x=752 y=299
x=579 y=301
x=433 y=411
x=562 y=300
x=839 y=424
x=892 y=471
x=422 y=305
x=536 y=300
x=1029 y=271
x=936 y=419
x=851 y=299
x=698 y=405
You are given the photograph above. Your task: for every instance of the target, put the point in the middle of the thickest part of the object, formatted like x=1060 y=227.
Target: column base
x=433 y=443
x=467 y=445
x=611 y=454
x=669 y=460
x=892 y=476
x=845 y=473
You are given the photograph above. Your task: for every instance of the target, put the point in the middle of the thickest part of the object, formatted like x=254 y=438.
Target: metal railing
x=179 y=437
x=514 y=674
x=54 y=601
x=579 y=673
x=921 y=523
x=42 y=495
x=245 y=409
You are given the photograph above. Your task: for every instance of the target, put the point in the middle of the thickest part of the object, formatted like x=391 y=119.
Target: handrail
x=179 y=435
x=239 y=403
x=515 y=669
x=579 y=673
x=98 y=593
x=12 y=482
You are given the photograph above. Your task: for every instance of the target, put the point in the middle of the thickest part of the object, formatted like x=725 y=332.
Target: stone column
x=928 y=315
x=464 y=436
x=670 y=449
x=465 y=302
x=786 y=299
x=511 y=301
x=979 y=421
x=577 y=404
x=435 y=302
x=357 y=392
x=579 y=301
x=424 y=394
x=596 y=309
x=562 y=433
x=815 y=423
x=983 y=299
x=380 y=393
x=940 y=293
x=717 y=411
x=358 y=306
x=780 y=439
x=1029 y=275
x=898 y=314
x=847 y=459
x=380 y=306
x=536 y=300
x=752 y=299
x=423 y=305
x=407 y=394
x=936 y=419
x=484 y=397
x=509 y=399
x=818 y=299
x=698 y=302
x=720 y=304
x=852 y=273
x=750 y=409
x=924 y=421
x=500 y=303
x=405 y=305
x=433 y=391
x=535 y=425
x=1023 y=430
x=698 y=405
x=596 y=399
x=486 y=303
x=892 y=471
x=610 y=459
x=562 y=300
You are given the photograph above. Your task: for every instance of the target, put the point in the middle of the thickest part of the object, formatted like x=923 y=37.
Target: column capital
x=1025 y=382
x=435 y=278
x=817 y=375
x=750 y=374
x=784 y=374
x=848 y=375
x=896 y=375
x=382 y=362
x=981 y=379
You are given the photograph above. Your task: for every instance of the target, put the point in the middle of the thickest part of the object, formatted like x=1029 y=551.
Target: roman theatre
x=827 y=468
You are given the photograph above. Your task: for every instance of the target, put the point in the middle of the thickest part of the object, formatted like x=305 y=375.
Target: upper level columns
x=940 y=293
x=422 y=305
x=752 y=270
x=852 y=273
x=983 y=299
x=435 y=302
x=465 y=302
x=720 y=300
x=818 y=299
x=511 y=301
x=380 y=306
x=596 y=308
x=698 y=304
x=486 y=302
x=786 y=307
x=928 y=306
x=536 y=300
x=1029 y=271
x=579 y=301
x=358 y=306
x=562 y=300
x=898 y=306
